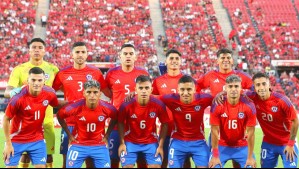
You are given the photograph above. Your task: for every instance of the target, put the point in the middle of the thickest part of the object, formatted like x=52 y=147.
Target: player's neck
x=233 y=101
x=127 y=68
x=91 y=106
x=266 y=97
x=225 y=71
x=142 y=102
x=79 y=67
x=173 y=72
x=36 y=62
x=34 y=93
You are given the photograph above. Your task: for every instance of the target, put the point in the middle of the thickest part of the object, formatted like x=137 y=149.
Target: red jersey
x=140 y=121
x=71 y=81
x=163 y=85
x=28 y=113
x=274 y=116
x=216 y=81
x=89 y=127
x=188 y=118
x=122 y=83
x=233 y=121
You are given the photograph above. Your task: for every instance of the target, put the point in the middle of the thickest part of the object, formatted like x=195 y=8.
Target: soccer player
x=137 y=126
x=232 y=119
x=27 y=111
x=188 y=138
x=121 y=82
x=215 y=79
x=167 y=84
x=19 y=77
x=279 y=122
x=90 y=140
x=70 y=80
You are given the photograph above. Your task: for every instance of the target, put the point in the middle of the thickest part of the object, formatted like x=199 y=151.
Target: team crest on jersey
x=101 y=118
x=241 y=115
x=152 y=115
x=88 y=77
x=71 y=163
x=197 y=108
x=47 y=76
x=45 y=102
x=274 y=109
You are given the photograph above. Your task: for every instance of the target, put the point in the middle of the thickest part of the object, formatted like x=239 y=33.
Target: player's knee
x=49 y=159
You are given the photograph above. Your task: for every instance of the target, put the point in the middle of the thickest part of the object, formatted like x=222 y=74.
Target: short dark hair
x=260 y=75
x=173 y=51
x=143 y=78
x=127 y=45
x=92 y=83
x=186 y=79
x=76 y=44
x=36 y=70
x=37 y=40
x=224 y=51
x=232 y=79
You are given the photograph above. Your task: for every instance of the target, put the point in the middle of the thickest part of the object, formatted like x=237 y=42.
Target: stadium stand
x=17 y=22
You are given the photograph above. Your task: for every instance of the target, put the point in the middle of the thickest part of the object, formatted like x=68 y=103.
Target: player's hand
x=129 y=97
x=246 y=97
x=105 y=140
x=8 y=152
x=214 y=162
x=290 y=153
x=219 y=98
x=15 y=91
x=72 y=139
x=160 y=151
x=250 y=162
x=122 y=150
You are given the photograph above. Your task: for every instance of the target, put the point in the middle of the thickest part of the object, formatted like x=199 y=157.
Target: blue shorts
x=65 y=140
x=147 y=150
x=37 y=152
x=270 y=154
x=77 y=154
x=114 y=144
x=179 y=150
x=237 y=154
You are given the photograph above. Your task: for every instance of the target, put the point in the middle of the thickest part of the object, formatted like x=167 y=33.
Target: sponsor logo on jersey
x=82 y=119
x=164 y=86
x=241 y=115
x=43 y=159
x=88 y=77
x=134 y=116
x=274 y=109
x=117 y=81
x=224 y=115
x=216 y=81
x=178 y=109
x=152 y=115
x=69 y=78
x=45 y=102
x=197 y=108
x=107 y=165
x=28 y=108
x=101 y=118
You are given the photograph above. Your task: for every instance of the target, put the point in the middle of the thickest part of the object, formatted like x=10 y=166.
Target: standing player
x=215 y=79
x=90 y=140
x=70 y=80
x=19 y=77
x=279 y=122
x=27 y=112
x=232 y=120
x=121 y=81
x=139 y=136
x=188 y=137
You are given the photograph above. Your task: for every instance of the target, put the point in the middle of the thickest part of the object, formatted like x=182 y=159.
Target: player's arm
x=107 y=92
x=121 y=130
x=10 y=91
x=63 y=124
x=8 y=149
x=250 y=160
x=215 y=152
x=163 y=133
x=289 y=150
x=112 y=123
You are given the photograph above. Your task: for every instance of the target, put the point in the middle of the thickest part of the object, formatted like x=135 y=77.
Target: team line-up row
x=82 y=114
